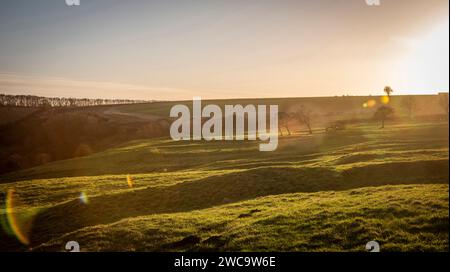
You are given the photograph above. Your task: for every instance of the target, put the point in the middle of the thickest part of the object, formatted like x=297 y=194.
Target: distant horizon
x=234 y=98
x=52 y=91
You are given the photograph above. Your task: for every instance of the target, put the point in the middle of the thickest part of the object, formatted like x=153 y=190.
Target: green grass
x=321 y=192
x=400 y=218
x=396 y=143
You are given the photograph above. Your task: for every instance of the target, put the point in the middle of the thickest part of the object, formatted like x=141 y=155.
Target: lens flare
x=385 y=100
x=129 y=181
x=84 y=198
x=5 y=224
x=20 y=224
x=370 y=104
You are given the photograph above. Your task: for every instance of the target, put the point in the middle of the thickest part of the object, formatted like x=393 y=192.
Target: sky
x=173 y=50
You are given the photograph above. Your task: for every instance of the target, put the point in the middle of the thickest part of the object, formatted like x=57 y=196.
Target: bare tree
x=303 y=115
x=382 y=114
x=410 y=105
x=284 y=119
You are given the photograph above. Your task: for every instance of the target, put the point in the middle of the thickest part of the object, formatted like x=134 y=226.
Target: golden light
x=385 y=99
x=129 y=181
x=425 y=66
x=84 y=198
x=370 y=104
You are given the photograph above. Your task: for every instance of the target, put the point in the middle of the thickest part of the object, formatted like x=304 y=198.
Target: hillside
x=54 y=134
x=36 y=136
x=400 y=218
x=176 y=183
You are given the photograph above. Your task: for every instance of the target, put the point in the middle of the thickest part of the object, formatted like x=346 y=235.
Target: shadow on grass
x=219 y=190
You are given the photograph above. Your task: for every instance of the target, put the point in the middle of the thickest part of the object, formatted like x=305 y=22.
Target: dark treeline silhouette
x=42 y=102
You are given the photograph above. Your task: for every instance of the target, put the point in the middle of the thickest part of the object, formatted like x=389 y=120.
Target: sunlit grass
x=313 y=193
x=401 y=218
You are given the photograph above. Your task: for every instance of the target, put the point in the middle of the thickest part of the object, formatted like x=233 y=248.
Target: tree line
x=41 y=102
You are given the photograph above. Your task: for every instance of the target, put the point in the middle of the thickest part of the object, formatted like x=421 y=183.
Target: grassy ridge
x=401 y=218
x=215 y=190
x=355 y=147
x=331 y=107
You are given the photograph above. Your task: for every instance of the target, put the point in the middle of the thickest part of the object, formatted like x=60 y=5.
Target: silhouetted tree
x=388 y=91
x=382 y=114
x=37 y=101
x=303 y=115
x=284 y=119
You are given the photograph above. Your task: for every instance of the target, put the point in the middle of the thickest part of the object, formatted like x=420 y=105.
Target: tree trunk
x=309 y=128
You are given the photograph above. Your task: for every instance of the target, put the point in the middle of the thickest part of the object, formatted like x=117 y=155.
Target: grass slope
x=401 y=218
x=189 y=182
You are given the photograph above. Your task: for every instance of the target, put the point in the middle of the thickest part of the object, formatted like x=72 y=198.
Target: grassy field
x=322 y=192
x=401 y=218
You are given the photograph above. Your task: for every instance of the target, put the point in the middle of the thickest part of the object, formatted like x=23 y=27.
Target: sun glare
x=425 y=67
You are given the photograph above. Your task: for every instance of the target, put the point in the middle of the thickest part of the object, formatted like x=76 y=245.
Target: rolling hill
x=327 y=191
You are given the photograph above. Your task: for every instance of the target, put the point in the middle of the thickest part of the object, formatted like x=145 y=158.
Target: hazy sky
x=169 y=49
